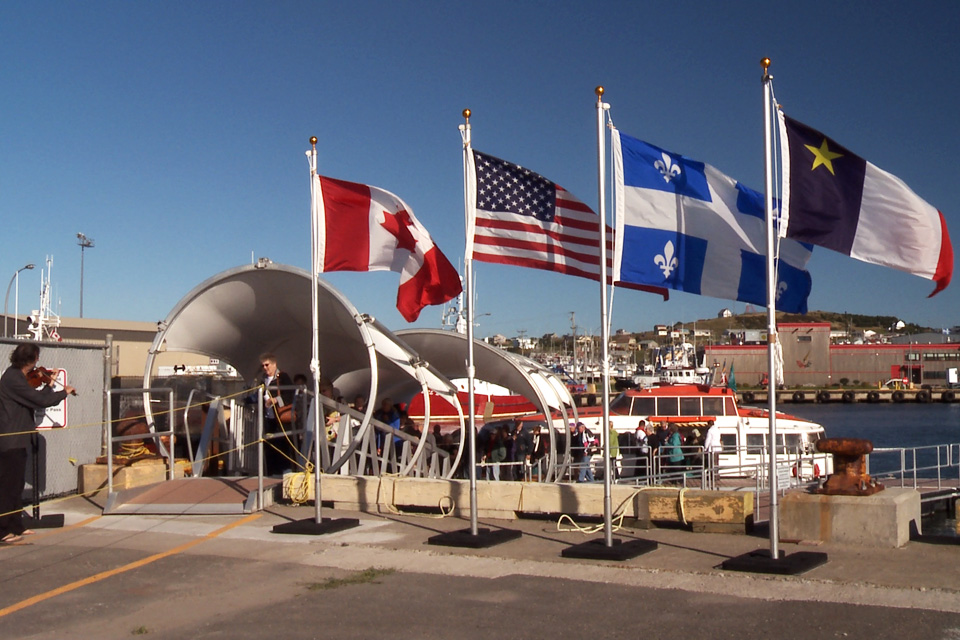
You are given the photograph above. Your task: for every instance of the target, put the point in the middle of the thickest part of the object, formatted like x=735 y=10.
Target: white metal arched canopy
x=243 y=312
x=447 y=351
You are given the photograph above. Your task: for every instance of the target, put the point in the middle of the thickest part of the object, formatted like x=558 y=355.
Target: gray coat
x=18 y=404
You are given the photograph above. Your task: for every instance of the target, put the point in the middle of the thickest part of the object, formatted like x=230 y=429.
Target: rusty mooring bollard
x=849 y=477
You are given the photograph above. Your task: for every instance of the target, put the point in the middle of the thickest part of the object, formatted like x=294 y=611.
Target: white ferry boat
x=743 y=430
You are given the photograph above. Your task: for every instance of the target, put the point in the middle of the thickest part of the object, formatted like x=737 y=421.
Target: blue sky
x=173 y=133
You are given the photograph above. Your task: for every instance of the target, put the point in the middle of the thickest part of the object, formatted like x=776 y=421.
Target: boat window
x=731 y=409
x=713 y=406
x=621 y=405
x=755 y=443
x=690 y=407
x=728 y=442
x=644 y=407
x=793 y=442
x=668 y=406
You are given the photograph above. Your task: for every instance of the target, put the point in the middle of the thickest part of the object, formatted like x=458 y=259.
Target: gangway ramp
x=193 y=496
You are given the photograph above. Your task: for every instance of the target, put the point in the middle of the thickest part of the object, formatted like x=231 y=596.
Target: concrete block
x=577 y=499
x=494 y=499
x=354 y=493
x=728 y=511
x=881 y=520
x=705 y=511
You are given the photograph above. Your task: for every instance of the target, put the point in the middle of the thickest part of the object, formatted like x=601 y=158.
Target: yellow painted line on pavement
x=103 y=575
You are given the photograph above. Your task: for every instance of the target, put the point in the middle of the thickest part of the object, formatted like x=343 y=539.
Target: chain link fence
x=63 y=450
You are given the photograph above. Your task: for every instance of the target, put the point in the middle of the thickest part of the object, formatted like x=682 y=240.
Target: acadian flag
x=833 y=198
x=684 y=225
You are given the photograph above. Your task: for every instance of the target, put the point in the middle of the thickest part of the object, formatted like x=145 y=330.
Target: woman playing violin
x=18 y=402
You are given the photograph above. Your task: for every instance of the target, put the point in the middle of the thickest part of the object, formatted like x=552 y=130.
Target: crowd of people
x=509 y=451
x=506 y=450
x=651 y=448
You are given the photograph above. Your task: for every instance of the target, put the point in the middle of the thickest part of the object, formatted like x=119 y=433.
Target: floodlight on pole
x=6 y=298
x=85 y=243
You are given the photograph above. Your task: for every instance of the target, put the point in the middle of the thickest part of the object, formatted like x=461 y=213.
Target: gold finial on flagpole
x=313 y=141
x=765 y=63
x=466 y=115
x=599 y=92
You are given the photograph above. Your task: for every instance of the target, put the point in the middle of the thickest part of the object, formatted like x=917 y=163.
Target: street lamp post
x=6 y=298
x=85 y=243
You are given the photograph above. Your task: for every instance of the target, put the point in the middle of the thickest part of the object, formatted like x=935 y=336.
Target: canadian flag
x=363 y=228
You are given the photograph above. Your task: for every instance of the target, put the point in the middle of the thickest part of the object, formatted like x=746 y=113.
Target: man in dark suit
x=279 y=452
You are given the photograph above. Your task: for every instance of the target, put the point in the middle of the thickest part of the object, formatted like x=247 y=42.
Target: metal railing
x=111 y=439
x=380 y=449
x=928 y=466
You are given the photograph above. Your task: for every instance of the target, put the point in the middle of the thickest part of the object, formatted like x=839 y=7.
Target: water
x=886 y=425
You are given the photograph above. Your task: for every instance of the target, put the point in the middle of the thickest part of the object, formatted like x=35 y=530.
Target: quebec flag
x=683 y=225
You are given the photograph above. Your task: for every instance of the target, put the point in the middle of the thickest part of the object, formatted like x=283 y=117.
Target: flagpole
x=604 y=330
x=315 y=341
x=316 y=526
x=474 y=537
x=471 y=370
x=772 y=561
x=771 y=309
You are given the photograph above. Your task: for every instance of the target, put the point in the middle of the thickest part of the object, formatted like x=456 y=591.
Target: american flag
x=525 y=220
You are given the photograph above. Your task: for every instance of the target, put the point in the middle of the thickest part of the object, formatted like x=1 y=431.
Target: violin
x=39 y=376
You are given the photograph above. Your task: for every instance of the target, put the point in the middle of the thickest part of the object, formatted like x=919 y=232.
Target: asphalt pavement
x=232 y=577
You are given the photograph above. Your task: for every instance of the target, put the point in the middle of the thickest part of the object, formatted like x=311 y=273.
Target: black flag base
x=465 y=539
x=310 y=526
x=620 y=550
x=49 y=521
x=760 y=561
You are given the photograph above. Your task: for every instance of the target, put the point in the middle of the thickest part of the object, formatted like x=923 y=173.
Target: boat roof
x=681 y=390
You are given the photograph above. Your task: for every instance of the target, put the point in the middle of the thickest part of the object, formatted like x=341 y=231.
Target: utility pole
x=573 y=325
x=85 y=243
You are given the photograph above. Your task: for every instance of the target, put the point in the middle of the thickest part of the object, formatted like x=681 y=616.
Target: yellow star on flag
x=823 y=156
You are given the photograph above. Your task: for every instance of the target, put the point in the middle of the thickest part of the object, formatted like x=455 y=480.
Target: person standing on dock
x=18 y=402
x=277 y=389
x=711 y=444
x=581 y=454
x=614 y=451
x=672 y=451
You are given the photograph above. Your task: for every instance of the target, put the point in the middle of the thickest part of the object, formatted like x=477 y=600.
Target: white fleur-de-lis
x=666 y=261
x=667 y=169
x=781 y=288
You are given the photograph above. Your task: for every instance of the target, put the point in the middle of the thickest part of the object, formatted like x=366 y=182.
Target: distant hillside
x=837 y=321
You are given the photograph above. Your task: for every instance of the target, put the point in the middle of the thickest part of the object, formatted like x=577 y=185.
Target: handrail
x=913 y=463
x=110 y=439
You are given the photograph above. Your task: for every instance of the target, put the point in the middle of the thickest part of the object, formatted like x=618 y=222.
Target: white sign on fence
x=55 y=416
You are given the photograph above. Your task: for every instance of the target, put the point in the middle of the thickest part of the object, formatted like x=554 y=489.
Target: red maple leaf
x=398 y=225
